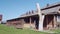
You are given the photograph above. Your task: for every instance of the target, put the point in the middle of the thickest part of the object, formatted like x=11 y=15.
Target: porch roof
x=36 y=13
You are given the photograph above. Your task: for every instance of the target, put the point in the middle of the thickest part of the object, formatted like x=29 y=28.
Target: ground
x=11 y=30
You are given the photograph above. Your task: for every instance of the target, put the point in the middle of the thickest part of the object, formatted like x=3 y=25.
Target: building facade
x=0 y=19
x=49 y=18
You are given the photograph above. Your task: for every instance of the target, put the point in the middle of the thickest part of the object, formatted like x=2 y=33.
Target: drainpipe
x=40 y=28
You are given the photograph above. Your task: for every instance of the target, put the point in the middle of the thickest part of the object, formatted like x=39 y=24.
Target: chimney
x=47 y=5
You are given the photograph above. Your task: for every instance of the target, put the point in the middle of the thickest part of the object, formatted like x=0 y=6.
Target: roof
x=36 y=13
x=51 y=6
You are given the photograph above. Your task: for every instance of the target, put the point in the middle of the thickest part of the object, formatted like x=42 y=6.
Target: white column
x=34 y=24
x=55 y=20
x=30 y=23
x=40 y=17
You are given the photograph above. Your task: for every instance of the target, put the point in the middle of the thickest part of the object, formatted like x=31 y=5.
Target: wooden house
x=31 y=19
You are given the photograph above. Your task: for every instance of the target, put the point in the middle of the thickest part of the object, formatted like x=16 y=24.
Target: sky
x=14 y=8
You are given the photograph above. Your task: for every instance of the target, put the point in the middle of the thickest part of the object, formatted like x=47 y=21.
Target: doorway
x=48 y=22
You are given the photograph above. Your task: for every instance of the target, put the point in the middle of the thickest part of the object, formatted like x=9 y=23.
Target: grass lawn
x=57 y=31
x=10 y=30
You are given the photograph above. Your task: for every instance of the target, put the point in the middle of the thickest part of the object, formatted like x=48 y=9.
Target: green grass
x=57 y=31
x=11 y=30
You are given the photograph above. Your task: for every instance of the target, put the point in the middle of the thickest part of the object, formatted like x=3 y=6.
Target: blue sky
x=14 y=8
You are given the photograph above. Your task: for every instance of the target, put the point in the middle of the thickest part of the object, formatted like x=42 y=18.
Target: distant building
x=51 y=19
x=0 y=19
